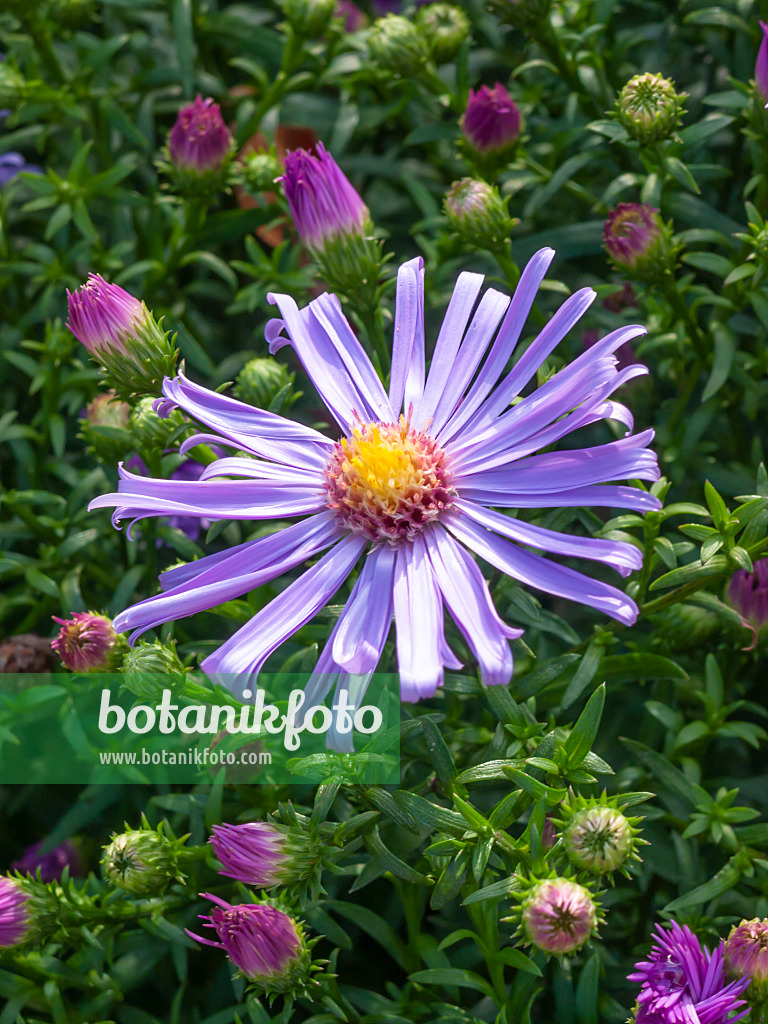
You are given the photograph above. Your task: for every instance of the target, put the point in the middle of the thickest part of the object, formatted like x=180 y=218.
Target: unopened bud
x=478 y=214
x=649 y=108
x=445 y=28
x=396 y=45
x=261 y=380
x=141 y=861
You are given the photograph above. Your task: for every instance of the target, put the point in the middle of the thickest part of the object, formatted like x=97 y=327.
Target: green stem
x=670 y=291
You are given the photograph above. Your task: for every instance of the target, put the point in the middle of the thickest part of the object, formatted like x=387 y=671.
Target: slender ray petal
x=238 y=662
x=406 y=383
x=542 y=574
x=367 y=616
x=417 y=609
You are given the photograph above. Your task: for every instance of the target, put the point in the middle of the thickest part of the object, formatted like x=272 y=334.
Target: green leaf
x=453 y=976
x=391 y=862
x=726 y=879
x=529 y=685
x=709 y=262
x=584 y=674
x=691 y=573
x=725 y=347
x=666 y=773
x=439 y=753
x=516 y=958
x=536 y=788
x=430 y=814
x=586 y=991
x=583 y=734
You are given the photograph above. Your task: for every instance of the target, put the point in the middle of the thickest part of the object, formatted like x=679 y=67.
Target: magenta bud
x=253 y=853
x=266 y=944
x=559 y=916
x=633 y=235
x=761 y=65
x=492 y=121
x=199 y=142
x=748 y=594
x=86 y=642
x=14 y=913
x=746 y=956
x=105 y=317
x=323 y=203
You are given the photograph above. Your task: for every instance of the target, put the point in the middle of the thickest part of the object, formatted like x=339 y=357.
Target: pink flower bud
x=492 y=121
x=199 y=141
x=559 y=916
x=86 y=642
x=14 y=913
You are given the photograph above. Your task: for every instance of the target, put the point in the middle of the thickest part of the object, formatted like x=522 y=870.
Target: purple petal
x=418 y=610
x=463 y=300
x=254 y=430
x=364 y=623
x=324 y=358
x=257 y=469
x=541 y=574
x=356 y=687
x=623 y=557
x=578 y=497
x=246 y=567
x=469 y=601
x=406 y=383
x=237 y=662
x=627 y=458
x=507 y=338
x=492 y=308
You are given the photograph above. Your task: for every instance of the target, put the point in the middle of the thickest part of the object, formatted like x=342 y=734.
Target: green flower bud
x=478 y=214
x=308 y=18
x=396 y=45
x=259 y=172
x=597 y=836
x=141 y=861
x=150 y=668
x=445 y=28
x=149 y=429
x=261 y=380
x=649 y=108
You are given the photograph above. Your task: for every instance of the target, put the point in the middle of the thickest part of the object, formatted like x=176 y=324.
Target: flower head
x=682 y=981
x=761 y=65
x=745 y=955
x=50 y=864
x=86 y=642
x=453 y=436
x=633 y=236
x=748 y=594
x=199 y=141
x=492 y=121
x=141 y=861
x=649 y=108
x=397 y=46
x=477 y=213
x=120 y=333
x=14 y=913
x=265 y=943
x=445 y=27
x=322 y=202
x=308 y=18
x=559 y=916
x=261 y=380
x=106 y=410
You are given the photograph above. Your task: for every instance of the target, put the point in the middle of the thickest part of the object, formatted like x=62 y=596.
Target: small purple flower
x=105 y=317
x=408 y=483
x=492 y=121
x=14 y=914
x=559 y=916
x=199 y=141
x=252 y=853
x=761 y=65
x=263 y=942
x=682 y=981
x=323 y=203
x=748 y=594
x=632 y=234
x=52 y=863
x=746 y=956
x=86 y=642
x=12 y=164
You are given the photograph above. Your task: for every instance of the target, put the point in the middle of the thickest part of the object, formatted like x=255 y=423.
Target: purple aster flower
x=52 y=863
x=559 y=916
x=682 y=982
x=14 y=914
x=410 y=486
x=761 y=65
x=748 y=593
x=322 y=202
x=12 y=164
x=492 y=120
x=632 y=235
x=86 y=642
x=265 y=943
x=199 y=141
x=252 y=853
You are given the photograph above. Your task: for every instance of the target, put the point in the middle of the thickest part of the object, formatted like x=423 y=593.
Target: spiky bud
x=87 y=642
x=263 y=942
x=150 y=429
x=445 y=28
x=649 y=107
x=15 y=918
x=308 y=18
x=266 y=854
x=492 y=121
x=122 y=336
x=559 y=916
x=746 y=956
x=397 y=46
x=141 y=861
x=637 y=240
x=596 y=834
x=149 y=668
x=106 y=410
x=261 y=380
x=478 y=214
